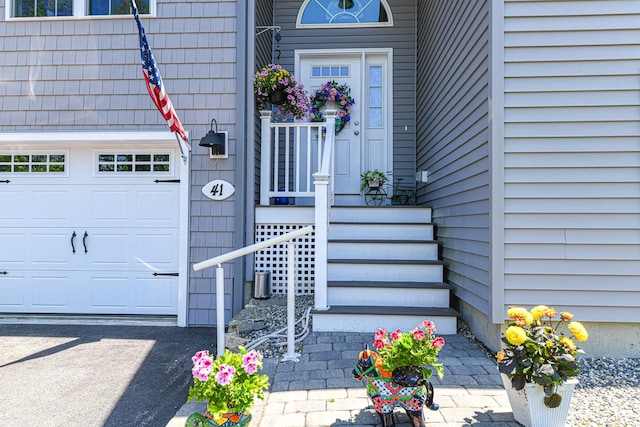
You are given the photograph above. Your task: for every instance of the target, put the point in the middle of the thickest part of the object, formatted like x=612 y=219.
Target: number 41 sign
x=218 y=190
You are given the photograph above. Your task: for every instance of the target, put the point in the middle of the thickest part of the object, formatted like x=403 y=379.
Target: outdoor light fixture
x=217 y=142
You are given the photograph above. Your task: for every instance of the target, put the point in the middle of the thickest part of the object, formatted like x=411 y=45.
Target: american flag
x=154 y=82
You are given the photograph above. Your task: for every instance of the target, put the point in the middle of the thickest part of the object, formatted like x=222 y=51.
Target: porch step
x=369 y=318
x=403 y=294
x=381 y=214
x=385 y=270
x=375 y=230
x=374 y=249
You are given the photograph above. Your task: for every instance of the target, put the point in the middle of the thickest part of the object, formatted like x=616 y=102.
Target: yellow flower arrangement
x=536 y=352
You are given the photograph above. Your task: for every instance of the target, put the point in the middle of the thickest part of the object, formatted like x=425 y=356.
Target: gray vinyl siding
x=572 y=157
x=85 y=75
x=400 y=37
x=453 y=139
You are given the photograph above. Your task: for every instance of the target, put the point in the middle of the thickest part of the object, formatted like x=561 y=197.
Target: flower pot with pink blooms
x=229 y=385
x=397 y=373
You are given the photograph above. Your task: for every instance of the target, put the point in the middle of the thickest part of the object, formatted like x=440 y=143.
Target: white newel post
x=265 y=156
x=219 y=310
x=291 y=354
x=322 y=216
x=321 y=232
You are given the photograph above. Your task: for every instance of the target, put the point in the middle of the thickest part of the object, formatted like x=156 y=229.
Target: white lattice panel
x=274 y=259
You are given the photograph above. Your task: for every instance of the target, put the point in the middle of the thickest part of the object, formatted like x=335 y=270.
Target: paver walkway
x=319 y=390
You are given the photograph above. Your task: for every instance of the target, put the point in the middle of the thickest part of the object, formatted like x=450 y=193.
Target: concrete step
x=386 y=214
x=384 y=270
x=406 y=294
x=380 y=231
x=383 y=249
x=350 y=318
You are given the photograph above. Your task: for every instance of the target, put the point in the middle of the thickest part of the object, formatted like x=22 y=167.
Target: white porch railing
x=288 y=237
x=292 y=155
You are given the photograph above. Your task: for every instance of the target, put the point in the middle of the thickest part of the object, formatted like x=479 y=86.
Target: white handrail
x=237 y=254
x=252 y=248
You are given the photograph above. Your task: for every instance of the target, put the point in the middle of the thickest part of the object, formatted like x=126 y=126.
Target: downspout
x=245 y=121
x=496 y=157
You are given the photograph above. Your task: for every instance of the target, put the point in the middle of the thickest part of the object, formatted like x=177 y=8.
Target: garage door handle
x=73 y=236
x=165 y=274
x=4 y=272
x=84 y=241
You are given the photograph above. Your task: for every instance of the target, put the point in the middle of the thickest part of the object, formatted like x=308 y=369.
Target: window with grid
x=77 y=8
x=33 y=163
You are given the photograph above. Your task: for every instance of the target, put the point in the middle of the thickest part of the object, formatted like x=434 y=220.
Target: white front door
x=365 y=142
x=89 y=231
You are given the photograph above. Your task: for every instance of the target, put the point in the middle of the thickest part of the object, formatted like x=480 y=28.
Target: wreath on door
x=332 y=95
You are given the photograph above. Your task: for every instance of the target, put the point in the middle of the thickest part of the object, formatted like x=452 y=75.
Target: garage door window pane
x=32 y=163
x=134 y=163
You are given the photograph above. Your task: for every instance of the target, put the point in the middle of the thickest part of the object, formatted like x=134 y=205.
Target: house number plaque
x=218 y=190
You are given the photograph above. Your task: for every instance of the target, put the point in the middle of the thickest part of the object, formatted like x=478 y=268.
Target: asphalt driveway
x=70 y=375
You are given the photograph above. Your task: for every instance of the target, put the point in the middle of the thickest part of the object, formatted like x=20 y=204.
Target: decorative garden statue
x=410 y=394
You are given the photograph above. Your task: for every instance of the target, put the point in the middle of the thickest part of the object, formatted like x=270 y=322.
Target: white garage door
x=89 y=231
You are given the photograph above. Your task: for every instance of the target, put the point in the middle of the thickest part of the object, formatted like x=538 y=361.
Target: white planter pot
x=528 y=405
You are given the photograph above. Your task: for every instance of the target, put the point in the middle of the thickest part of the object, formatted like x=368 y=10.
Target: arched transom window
x=346 y=13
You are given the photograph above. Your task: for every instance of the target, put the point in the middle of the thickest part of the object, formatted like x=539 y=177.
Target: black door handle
x=73 y=236
x=4 y=272
x=84 y=241
x=165 y=274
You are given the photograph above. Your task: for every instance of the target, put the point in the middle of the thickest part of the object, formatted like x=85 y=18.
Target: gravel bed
x=275 y=310
x=608 y=394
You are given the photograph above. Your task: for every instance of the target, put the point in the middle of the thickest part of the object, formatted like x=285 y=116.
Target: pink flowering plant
x=419 y=348
x=230 y=381
x=272 y=78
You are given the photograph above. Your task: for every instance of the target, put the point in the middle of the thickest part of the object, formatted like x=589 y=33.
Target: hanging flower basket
x=278 y=97
x=277 y=87
x=332 y=95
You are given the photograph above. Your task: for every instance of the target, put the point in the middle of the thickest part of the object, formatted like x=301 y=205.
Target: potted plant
x=275 y=86
x=398 y=371
x=538 y=365
x=372 y=179
x=410 y=354
x=229 y=385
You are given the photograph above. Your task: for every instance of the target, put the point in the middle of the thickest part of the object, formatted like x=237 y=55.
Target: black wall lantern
x=216 y=141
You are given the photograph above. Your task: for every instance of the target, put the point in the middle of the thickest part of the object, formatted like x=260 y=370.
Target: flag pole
x=182 y=153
